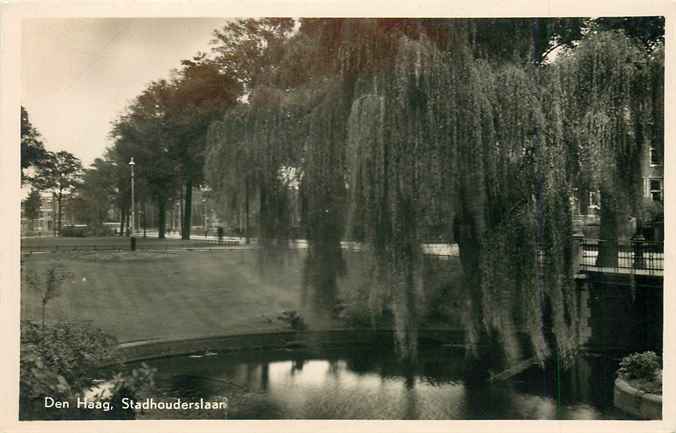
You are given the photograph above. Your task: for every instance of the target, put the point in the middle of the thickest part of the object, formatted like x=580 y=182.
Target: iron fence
x=641 y=257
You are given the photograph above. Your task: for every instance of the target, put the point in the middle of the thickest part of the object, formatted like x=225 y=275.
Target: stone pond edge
x=136 y=351
x=635 y=402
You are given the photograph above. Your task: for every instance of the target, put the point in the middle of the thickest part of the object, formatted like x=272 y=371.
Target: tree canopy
x=60 y=173
x=407 y=125
x=32 y=148
x=393 y=132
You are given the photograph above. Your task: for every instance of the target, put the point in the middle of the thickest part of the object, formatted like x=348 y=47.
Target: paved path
x=173 y=240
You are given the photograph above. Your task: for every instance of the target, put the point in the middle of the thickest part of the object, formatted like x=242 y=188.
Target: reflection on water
x=364 y=384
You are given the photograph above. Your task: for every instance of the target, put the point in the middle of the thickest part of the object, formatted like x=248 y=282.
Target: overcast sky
x=79 y=74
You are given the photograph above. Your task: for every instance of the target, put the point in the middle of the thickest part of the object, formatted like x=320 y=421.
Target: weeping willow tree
x=400 y=173
x=230 y=169
x=557 y=250
x=402 y=129
x=431 y=135
x=251 y=155
x=496 y=208
x=444 y=135
x=513 y=222
x=324 y=196
x=614 y=110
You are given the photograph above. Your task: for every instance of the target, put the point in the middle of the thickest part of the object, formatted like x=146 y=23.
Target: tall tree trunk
x=54 y=213
x=122 y=214
x=44 y=313
x=171 y=215
x=246 y=212
x=125 y=230
x=187 y=213
x=538 y=49
x=145 y=216
x=162 y=218
x=478 y=360
x=180 y=210
x=583 y=197
x=539 y=211
x=608 y=230
x=265 y=376
x=59 y=198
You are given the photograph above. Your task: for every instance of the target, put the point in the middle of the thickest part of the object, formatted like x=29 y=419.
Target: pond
x=362 y=383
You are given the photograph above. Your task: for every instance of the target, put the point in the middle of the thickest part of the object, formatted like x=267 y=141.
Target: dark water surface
x=371 y=384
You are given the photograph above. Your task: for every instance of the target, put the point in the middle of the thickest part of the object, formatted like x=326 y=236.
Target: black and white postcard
x=318 y=213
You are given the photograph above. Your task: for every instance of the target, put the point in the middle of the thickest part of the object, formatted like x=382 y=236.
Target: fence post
x=637 y=243
x=578 y=251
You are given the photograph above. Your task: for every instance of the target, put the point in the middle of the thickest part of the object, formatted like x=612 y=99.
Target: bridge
x=638 y=257
x=620 y=307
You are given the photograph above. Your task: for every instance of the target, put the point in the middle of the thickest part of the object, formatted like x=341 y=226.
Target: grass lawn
x=178 y=293
x=147 y=295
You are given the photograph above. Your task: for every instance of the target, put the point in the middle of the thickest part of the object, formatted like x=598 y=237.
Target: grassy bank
x=146 y=295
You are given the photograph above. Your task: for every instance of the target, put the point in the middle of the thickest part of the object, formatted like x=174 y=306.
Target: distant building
x=203 y=214
x=652 y=170
x=45 y=223
x=587 y=208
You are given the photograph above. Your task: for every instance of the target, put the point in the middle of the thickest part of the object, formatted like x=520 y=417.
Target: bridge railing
x=635 y=256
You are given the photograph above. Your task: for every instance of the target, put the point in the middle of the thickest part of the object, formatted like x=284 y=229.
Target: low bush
x=69 y=350
x=362 y=299
x=62 y=361
x=49 y=282
x=356 y=314
x=643 y=365
x=100 y=231
x=74 y=231
x=294 y=319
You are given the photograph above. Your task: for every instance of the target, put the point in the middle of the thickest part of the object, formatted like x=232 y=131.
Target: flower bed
x=638 y=387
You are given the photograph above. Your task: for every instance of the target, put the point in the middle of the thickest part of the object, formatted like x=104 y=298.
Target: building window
x=655 y=189
x=654 y=155
x=594 y=202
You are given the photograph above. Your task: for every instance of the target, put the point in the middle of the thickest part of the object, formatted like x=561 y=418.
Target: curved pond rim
x=315 y=340
x=288 y=377
x=636 y=402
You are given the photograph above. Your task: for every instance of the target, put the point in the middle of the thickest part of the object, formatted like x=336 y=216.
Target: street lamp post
x=133 y=214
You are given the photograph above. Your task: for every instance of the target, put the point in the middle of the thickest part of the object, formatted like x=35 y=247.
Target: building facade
x=44 y=225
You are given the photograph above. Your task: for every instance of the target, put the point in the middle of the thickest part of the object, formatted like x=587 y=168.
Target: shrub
x=61 y=361
x=101 y=230
x=71 y=231
x=644 y=365
x=294 y=319
x=356 y=314
x=362 y=298
x=69 y=350
x=650 y=210
x=49 y=283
